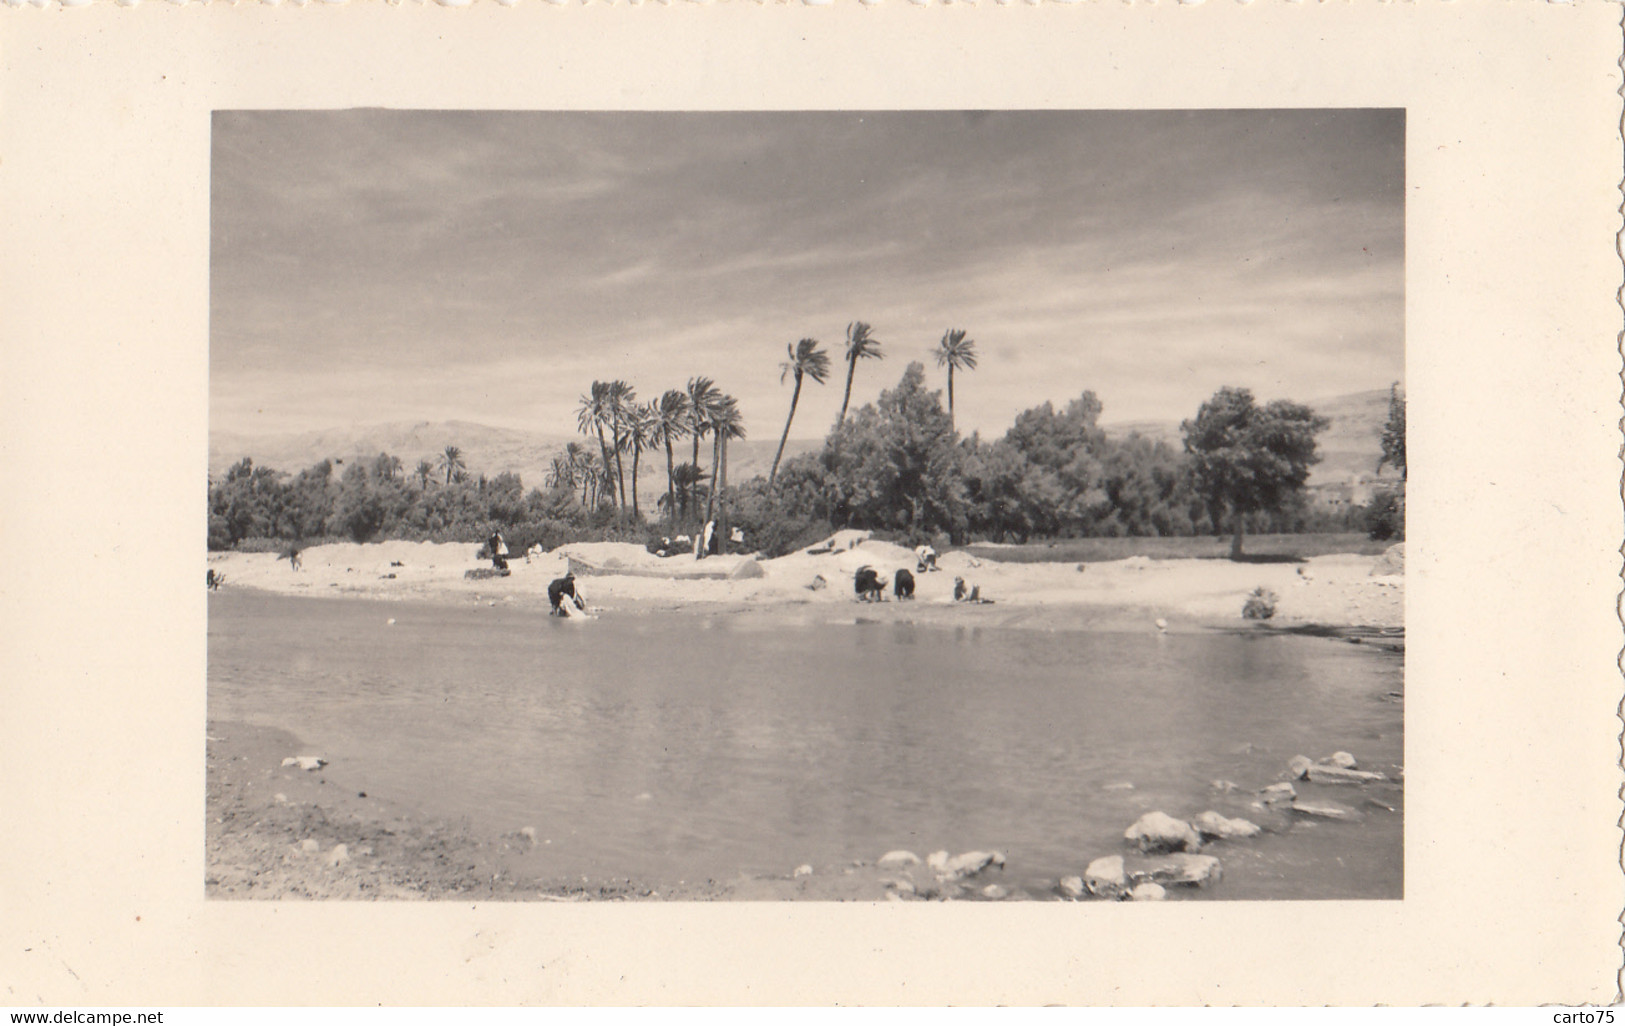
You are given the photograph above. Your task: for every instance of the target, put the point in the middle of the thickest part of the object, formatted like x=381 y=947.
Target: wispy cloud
x=490 y=265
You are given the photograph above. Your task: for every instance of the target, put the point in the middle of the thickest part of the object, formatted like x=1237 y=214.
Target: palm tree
x=423 y=472
x=703 y=395
x=860 y=345
x=452 y=461
x=594 y=412
x=671 y=421
x=726 y=423
x=805 y=358
x=622 y=401
x=590 y=473
x=955 y=351
x=640 y=435
x=687 y=480
x=560 y=474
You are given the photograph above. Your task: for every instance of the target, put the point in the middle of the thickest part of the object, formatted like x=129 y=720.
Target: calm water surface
x=666 y=748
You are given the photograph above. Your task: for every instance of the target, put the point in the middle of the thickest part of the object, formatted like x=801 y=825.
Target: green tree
x=955 y=351
x=894 y=463
x=806 y=359
x=1249 y=458
x=860 y=345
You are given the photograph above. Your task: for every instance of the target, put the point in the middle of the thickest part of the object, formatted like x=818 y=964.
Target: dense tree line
x=896 y=465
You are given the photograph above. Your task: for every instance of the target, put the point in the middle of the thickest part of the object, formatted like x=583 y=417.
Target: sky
x=371 y=266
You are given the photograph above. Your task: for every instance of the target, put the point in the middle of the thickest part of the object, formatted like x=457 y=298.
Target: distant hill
x=1349 y=448
x=486 y=450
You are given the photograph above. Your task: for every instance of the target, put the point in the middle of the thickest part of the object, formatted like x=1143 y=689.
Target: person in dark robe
x=556 y=592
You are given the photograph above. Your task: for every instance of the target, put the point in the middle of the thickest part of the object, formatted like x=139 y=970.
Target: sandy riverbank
x=1335 y=590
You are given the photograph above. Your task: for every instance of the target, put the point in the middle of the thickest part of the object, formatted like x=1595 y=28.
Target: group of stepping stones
x=1170 y=849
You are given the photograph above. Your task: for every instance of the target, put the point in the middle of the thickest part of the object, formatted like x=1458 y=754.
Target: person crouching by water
x=903 y=585
x=926 y=559
x=556 y=592
x=868 y=585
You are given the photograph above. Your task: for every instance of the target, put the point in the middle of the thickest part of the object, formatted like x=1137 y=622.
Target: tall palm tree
x=424 y=471
x=622 y=401
x=726 y=423
x=671 y=422
x=452 y=461
x=640 y=436
x=955 y=351
x=575 y=459
x=590 y=474
x=595 y=411
x=805 y=359
x=560 y=474
x=703 y=395
x=860 y=345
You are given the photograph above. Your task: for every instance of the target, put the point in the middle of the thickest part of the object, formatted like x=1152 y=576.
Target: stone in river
x=1072 y=886
x=993 y=892
x=1178 y=868
x=305 y=762
x=1211 y=824
x=1299 y=766
x=1278 y=793
x=897 y=859
x=1342 y=760
x=1158 y=831
x=804 y=870
x=937 y=860
x=1105 y=877
x=972 y=862
x=1147 y=891
x=1326 y=809
x=1322 y=774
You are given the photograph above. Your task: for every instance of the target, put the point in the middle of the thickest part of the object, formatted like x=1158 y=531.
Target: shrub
x=1385 y=517
x=1260 y=605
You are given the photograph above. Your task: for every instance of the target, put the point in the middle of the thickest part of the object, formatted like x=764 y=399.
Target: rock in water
x=804 y=870
x=993 y=892
x=937 y=860
x=1211 y=824
x=1147 y=892
x=1158 y=831
x=1276 y=793
x=1105 y=877
x=1343 y=760
x=1072 y=886
x=1322 y=774
x=972 y=862
x=1178 y=868
x=1299 y=765
x=898 y=859
x=1326 y=810
x=305 y=762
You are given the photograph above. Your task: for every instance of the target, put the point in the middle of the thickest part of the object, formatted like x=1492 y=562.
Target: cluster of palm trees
x=622 y=425
x=612 y=414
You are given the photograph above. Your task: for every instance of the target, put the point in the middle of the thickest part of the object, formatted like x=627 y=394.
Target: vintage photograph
x=982 y=505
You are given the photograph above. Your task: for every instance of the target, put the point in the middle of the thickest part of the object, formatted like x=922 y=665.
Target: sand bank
x=1333 y=591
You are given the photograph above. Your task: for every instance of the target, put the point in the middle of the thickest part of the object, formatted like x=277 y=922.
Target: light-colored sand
x=1340 y=590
